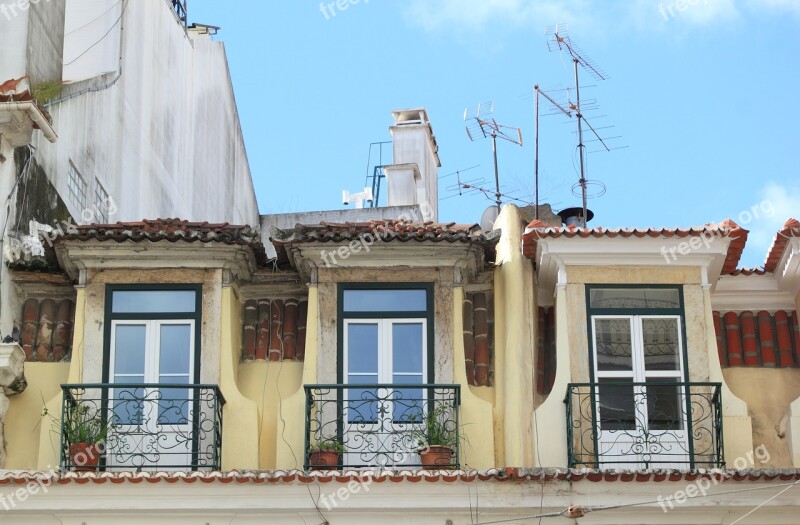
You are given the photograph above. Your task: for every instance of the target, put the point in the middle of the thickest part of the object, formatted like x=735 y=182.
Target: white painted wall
x=413 y=142
x=14 y=28
x=164 y=140
x=91 y=38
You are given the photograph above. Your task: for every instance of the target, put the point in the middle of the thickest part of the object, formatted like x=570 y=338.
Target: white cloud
x=779 y=6
x=463 y=16
x=476 y=15
x=765 y=218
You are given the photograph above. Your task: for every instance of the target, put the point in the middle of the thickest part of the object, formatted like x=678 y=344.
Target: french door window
x=639 y=371
x=151 y=353
x=385 y=361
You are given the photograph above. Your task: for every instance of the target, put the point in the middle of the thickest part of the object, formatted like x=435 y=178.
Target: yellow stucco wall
x=768 y=393
x=514 y=319
x=240 y=415
x=267 y=383
x=477 y=448
x=24 y=421
x=290 y=420
x=48 y=454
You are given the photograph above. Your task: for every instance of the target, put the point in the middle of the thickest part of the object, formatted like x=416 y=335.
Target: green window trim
x=679 y=311
x=427 y=314
x=110 y=316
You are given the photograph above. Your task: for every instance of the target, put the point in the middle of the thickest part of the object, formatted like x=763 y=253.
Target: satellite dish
x=489 y=216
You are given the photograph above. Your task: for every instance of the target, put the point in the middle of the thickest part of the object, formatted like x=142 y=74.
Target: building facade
x=298 y=368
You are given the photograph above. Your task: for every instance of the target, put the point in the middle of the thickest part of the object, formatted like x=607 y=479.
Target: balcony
x=141 y=427
x=382 y=426
x=657 y=424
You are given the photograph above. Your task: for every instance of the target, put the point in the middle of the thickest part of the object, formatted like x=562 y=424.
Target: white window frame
x=385 y=370
x=611 y=440
x=77 y=188
x=101 y=199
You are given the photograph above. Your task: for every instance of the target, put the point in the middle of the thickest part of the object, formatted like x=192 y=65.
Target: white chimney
x=414 y=176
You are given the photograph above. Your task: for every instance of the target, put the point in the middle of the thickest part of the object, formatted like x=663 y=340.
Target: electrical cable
x=96 y=89
x=124 y=7
x=640 y=503
x=90 y=22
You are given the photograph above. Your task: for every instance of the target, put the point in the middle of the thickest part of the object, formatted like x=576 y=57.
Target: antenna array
x=480 y=126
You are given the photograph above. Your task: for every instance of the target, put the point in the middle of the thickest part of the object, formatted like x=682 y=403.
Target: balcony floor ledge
x=20 y=477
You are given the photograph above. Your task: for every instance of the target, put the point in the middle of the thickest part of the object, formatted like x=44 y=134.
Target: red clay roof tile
x=727 y=228
x=791 y=229
x=398 y=476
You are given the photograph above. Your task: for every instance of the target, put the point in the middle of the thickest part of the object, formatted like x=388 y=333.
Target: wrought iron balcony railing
x=657 y=424
x=142 y=426
x=382 y=425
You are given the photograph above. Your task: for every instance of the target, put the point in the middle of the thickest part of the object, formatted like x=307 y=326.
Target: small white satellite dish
x=489 y=216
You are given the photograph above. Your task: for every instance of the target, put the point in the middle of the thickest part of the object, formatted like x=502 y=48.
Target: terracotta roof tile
x=790 y=230
x=384 y=230
x=170 y=230
x=539 y=230
x=387 y=230
x=399 y=476
x=748 y=271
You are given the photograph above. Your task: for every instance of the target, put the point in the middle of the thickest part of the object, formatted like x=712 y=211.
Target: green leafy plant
x=329 y=444
x=47 y=91
x=436 y=428
x=81 y=424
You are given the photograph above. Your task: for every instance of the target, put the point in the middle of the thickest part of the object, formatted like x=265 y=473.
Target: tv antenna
x=560 y=41
x=559 y=107
x=482 y=126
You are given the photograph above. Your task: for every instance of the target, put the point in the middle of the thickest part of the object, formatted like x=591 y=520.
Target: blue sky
x=702 y=92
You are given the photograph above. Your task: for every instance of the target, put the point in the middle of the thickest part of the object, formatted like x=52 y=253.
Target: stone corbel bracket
x=12 y=370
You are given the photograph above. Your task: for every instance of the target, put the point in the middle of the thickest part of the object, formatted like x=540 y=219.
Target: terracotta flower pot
x=85 y=457
x=434 y=457
x=323 y=460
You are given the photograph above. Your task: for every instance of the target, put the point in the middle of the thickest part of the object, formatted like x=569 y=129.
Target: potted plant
x=437 y=437
x=84 y=432
x=326 y=455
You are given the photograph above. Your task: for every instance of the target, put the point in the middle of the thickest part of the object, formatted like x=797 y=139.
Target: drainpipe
x=35 y=115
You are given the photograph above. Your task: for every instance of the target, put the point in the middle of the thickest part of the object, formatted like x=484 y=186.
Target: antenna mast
x=559 y=107
x=562 y=42
x=488 y=127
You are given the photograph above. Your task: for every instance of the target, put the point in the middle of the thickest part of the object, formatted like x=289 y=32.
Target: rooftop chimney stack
x=414 y=176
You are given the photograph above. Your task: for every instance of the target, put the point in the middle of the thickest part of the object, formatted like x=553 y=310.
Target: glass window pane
x=664 y=408
x=407 y=347
x=661 y=345
x=173 y=403
x=612 y=341
x=129 y=348
x=634 y=298
x=364 y=405
x=174 y=348
x=408 y=403
x=129 y=404
x=153 y=301
x=385 y=300
x=362 y=347
x=617 y=407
